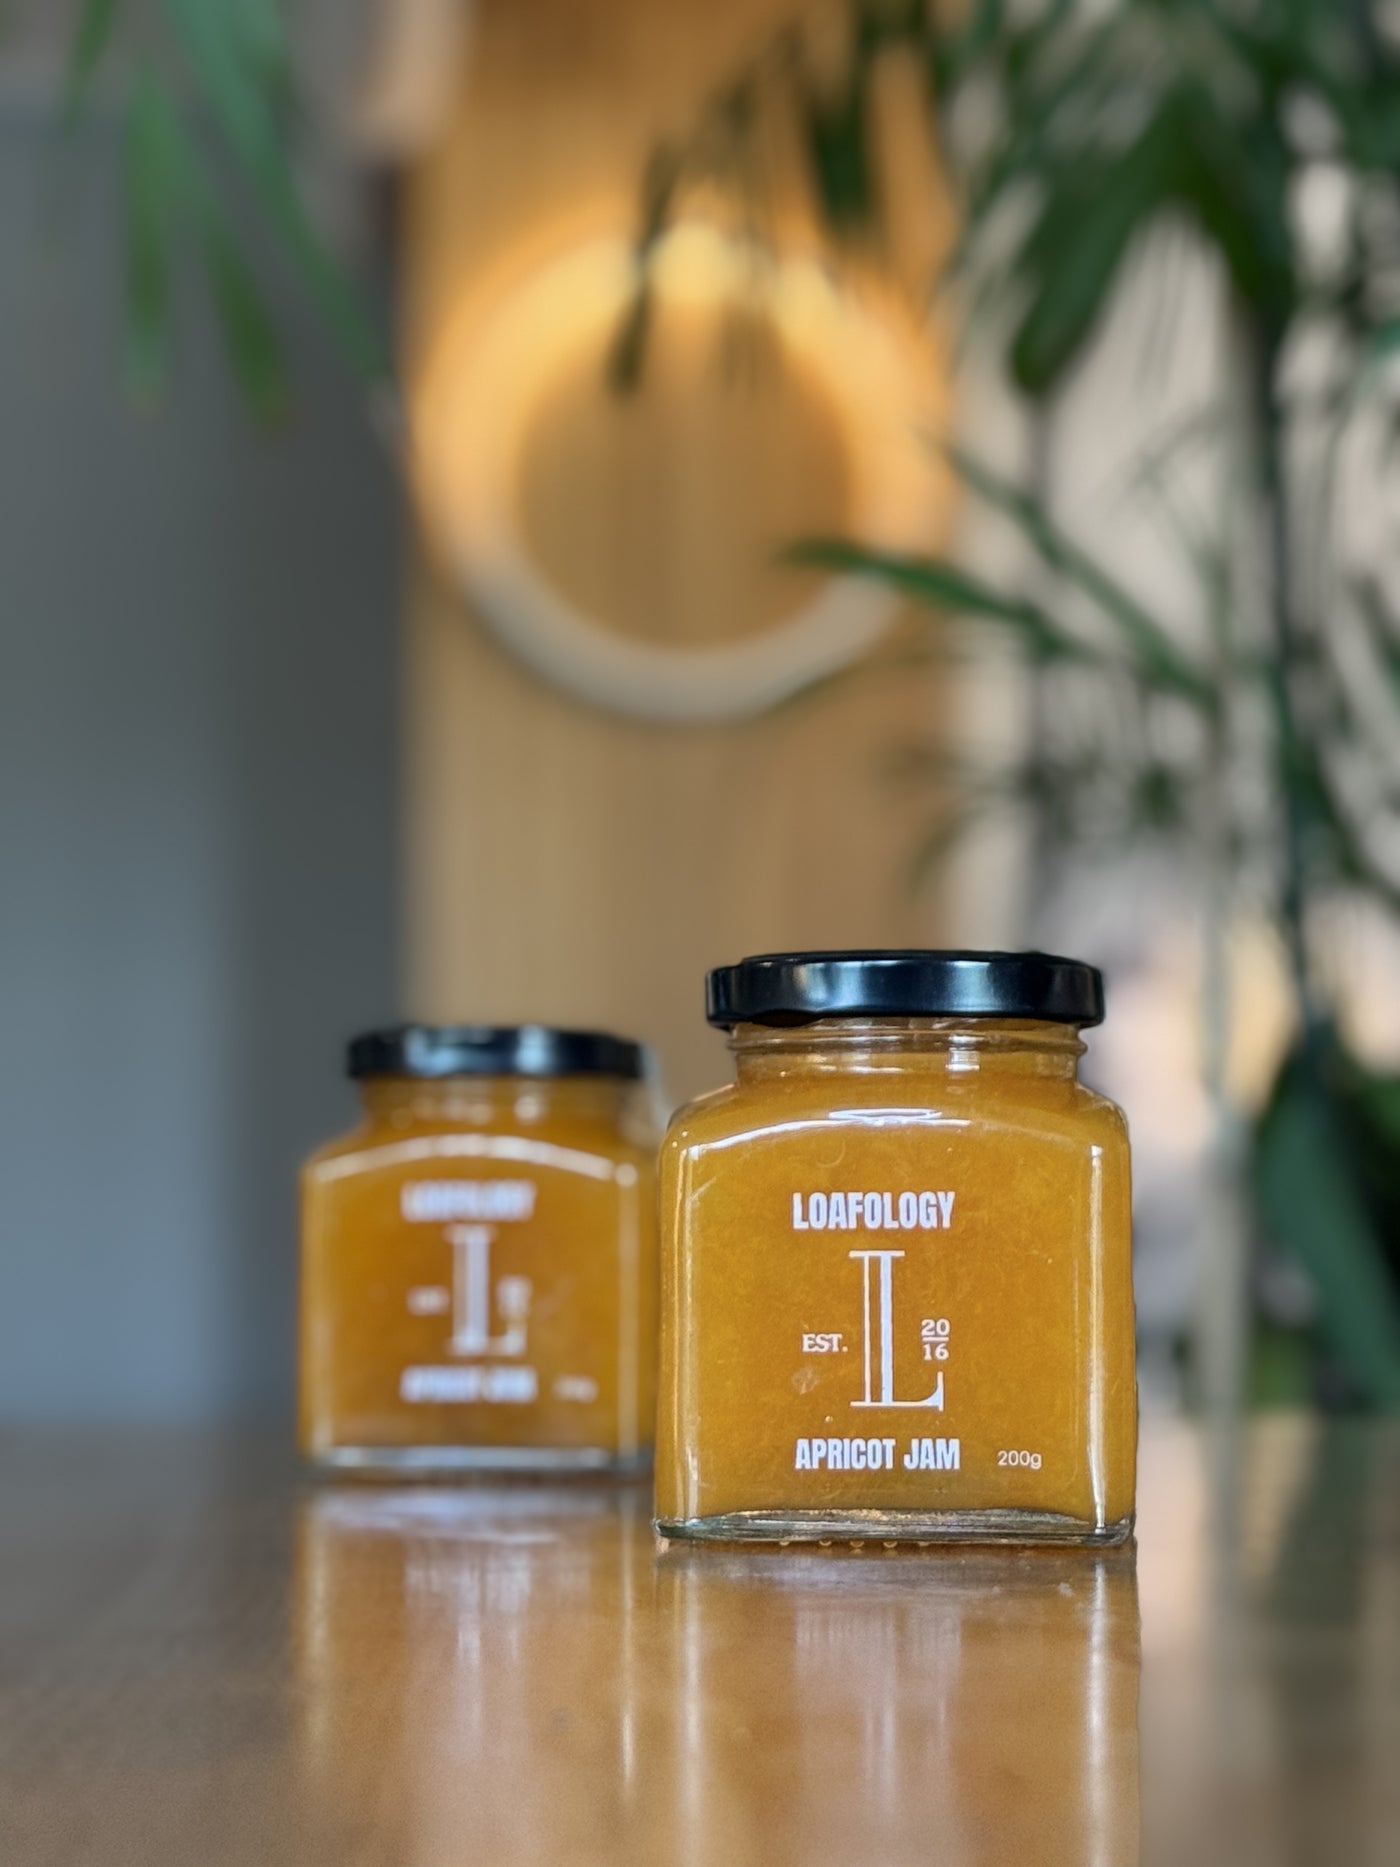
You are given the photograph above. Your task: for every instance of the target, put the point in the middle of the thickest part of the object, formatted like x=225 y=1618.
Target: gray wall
x=197 y=813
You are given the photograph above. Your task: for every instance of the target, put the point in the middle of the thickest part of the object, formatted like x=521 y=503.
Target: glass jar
x=479 y=1260
x=896 y=1261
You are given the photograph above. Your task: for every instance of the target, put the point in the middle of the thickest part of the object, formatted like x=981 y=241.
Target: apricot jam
x=896 y=1261
x=479 y=1258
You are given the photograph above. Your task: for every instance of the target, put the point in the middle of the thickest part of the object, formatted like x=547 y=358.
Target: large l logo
x=879 y=1335
x=471 y=1297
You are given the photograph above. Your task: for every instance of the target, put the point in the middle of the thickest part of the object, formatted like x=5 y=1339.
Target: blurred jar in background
x=479 y=1258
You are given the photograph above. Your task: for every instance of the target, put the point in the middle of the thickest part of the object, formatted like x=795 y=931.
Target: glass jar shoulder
x=1056 y=1109
x=347 y=1147
x=1102 y=1115
x=716 y=1115
x=376 y=1147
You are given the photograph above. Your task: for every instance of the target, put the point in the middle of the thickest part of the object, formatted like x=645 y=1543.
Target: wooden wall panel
x=564 y=864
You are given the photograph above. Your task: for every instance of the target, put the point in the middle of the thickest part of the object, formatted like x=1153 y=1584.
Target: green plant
x=1075 y=132
x=210 y=121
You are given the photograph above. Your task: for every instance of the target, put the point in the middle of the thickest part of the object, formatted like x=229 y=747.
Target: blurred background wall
x=566 y=863
x=199 y=786
x=228 y=842
x=279 y=760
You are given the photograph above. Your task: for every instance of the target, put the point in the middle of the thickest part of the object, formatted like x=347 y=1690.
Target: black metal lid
x=796 y=988
x=492 y=1050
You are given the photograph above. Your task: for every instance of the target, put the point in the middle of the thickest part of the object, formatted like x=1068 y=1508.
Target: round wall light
x=487 y=384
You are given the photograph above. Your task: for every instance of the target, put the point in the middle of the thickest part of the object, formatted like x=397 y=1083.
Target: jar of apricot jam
x=479 y=1257
x=897 y=1294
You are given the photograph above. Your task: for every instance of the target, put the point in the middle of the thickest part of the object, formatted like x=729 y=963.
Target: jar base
x=463 y=1461
x=897 y=1526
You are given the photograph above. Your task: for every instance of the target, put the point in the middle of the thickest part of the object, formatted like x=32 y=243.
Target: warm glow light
x=478 y=401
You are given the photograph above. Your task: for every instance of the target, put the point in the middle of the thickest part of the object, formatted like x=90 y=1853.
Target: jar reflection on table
x=452 y=1692
x=978 y=1707
x=522 y=1676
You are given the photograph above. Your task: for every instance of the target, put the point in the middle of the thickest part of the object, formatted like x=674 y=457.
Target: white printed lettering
x=459 y=1386
x=933 y=1455
x=435 y=1202
x=850 y=1211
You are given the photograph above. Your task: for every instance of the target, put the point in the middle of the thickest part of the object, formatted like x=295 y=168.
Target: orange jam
x=896 y=1261
x=478 y=1257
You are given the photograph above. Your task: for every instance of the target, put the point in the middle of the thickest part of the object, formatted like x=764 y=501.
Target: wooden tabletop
x=206 y=1660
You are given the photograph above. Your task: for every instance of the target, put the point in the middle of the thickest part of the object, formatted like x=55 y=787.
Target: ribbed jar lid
x=434 y=1050
x=797 y=988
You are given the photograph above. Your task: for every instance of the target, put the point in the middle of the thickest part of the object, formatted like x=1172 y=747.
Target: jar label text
x=434 y=1202
x=872 y=1212
x=877 y=1455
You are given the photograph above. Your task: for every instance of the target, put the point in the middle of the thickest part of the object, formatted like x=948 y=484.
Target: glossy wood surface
x=205 y=1660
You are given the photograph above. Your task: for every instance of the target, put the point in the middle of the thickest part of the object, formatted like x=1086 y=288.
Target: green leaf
x=91 y=36
x=1059 y=85
x=1282 y=1367
x=955 y=51
x=1161 y=663
x=661 y=184
x=228 y=79
x=263 y=29
x=946 y=587
x=1236 y=178
x=836 y=132
x=152 y=188
x=1382 y=624
x=168 y=188
x=1072 y=257
x=250 y=337
x=1158 y=799
x=1309 y=1199
x=1375 y=1101
x=628 y=350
